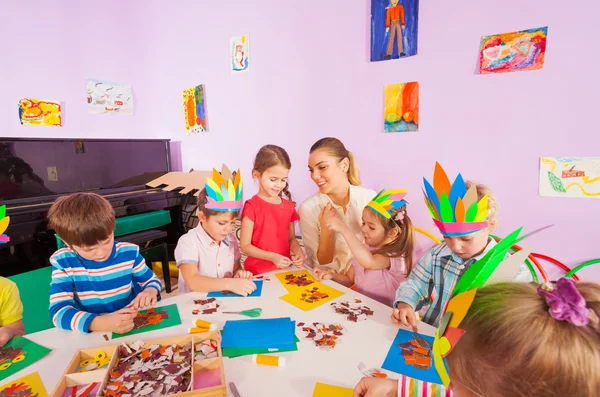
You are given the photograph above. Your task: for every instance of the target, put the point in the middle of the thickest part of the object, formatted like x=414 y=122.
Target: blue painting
x=394 y=28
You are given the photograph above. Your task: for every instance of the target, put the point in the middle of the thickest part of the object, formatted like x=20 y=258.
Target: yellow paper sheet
x=325 y=390
x=297 y=299
x=29 y=385
x=297 y=273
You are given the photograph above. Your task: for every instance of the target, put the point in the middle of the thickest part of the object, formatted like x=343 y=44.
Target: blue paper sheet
x=271 y=333
x=396 y=362
x=229 y=294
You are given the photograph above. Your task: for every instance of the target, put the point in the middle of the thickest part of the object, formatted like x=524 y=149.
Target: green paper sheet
x=171 y=321
x=32 y=352
x=232 y=352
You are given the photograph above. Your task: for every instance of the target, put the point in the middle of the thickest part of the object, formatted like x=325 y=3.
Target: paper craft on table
x=296 y=279
x=239 y=54
x=574 y=177
x=272 y=333
x=40 y=112
x=207 y=306
x=325 y=336
x=18 y=354
x=411 y=355
x=89 y=390
x=99 y=361
x=513 y=52
x=107 y=97
x=28 y=386
x=354 y=312
x=307 y=298
x=228 y=294
x=325 y=390
x=153 y=319
x=193 y=107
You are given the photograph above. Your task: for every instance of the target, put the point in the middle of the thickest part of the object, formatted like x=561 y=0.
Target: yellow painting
x=401 y=107
x=27 y=386
x=40 y=112
x=296 y=279
x=325 y=390
x=314 y=295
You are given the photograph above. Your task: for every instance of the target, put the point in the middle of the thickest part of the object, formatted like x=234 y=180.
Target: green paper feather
x=446 y=211
x=2 y=211
x=472 y=212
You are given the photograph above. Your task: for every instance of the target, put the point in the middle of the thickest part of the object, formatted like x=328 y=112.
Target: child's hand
x=376 y=387
x=327 y=213
x=120 y=322
x=146 y=298
x=335 y=224
x=6 y=334
x=405 y=316
x=298 y=257
x=281 y=261
x=242 y=286
x=243 y=274
x=322 y=274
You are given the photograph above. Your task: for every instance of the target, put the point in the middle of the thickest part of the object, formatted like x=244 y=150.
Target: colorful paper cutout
x=573 y=177
x=205 y=350
x=312 y=296
x=401 y=107
x=4 y=222
x=325 y=390
x=207 y=306
x=194 y=110
x=108 y=97
x=28 y=386
x=387 y=201
x=154 y=319
x=89 y=390
x=18 y=354
x=295 y=279
x=224 y=190
x=40 y=112
x=513 y=52
x=354 y=312
x=325 y=336
x=394 y=29
x=239 y=54
x=228 y=294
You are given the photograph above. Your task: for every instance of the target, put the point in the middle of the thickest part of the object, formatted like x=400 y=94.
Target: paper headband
x=386 y=201
x=4 y=221
x=223 y=191
x=455 y=210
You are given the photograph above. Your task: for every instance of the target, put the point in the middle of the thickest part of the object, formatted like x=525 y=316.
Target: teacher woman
x=333 y=168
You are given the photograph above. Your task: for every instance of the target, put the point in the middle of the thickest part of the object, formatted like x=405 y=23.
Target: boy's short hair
x=82 y=219
x=494 y=208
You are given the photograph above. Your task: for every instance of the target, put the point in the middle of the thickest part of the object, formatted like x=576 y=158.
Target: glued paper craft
x=325 y=336
x=228 y=294
x=325 y=390
x=27 y=386
x=194 y=111
x=4 y=222
x=40 y=112
x=354 y=312
x=411 y=355
x=307 y=298
x=296 y=279
x=153 y=319
x=401 y=107
x=187 y=181
x=107 y=97
x=513 y=52
x=387 y=201
x=90 y=390
x=18 y=354
x=272 y=333
x=207 y=306
x=394 y=29
x=574 y=177
x=239 y=54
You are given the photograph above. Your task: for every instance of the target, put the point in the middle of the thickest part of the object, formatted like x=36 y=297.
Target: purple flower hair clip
x=565 y=302
x=400 y=216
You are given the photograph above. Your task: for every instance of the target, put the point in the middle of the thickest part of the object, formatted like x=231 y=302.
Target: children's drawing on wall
x=40 y=112
x=570 y=177
x=513 y=52
x=194 y=111
x=401 y=107
x=394 y=28
x=107 y=97
x=240 y=54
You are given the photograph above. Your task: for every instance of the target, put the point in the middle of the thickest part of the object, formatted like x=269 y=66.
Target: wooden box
x=202 y=370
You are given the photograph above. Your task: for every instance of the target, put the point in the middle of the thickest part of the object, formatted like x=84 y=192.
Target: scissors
x=250 y=312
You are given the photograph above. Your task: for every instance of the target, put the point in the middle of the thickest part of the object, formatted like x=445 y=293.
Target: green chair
x=34 y=288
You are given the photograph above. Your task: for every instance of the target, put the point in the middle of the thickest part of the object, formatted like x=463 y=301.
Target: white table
x=367 y=341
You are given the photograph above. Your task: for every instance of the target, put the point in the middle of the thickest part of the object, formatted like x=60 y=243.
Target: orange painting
x=401 y=107
x=40 y=112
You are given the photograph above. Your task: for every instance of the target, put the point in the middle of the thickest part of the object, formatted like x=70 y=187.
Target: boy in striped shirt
x=98 y=284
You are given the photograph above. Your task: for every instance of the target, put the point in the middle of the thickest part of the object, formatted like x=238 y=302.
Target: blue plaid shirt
x=436 y=275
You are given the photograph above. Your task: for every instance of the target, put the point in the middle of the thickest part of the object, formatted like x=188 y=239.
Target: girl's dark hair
x=404 y=243
x=269 y=156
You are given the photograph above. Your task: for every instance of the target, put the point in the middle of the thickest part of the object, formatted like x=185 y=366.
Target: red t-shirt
x=271 y=230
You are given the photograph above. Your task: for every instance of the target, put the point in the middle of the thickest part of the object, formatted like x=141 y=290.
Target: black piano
x=34 y=172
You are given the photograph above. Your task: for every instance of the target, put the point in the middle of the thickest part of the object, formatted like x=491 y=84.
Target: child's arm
x=298 y=257
x=11 y=314
x=196 y=282
x=359 y=251
x=247 y=248
x=146 y=279
x=326 y=248
x=347 y=280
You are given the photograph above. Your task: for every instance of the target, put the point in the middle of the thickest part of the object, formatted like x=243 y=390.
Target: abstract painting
x=570 y=177
x=401 y=107
x=394 y=29
x=193 y=107
x=239 y=54
x=107 y=97
x=27 y=386
x=18 y=354
x=513 y=52
x=40 y=112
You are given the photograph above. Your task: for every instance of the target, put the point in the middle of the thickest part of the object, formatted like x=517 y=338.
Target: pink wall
x=311 y=77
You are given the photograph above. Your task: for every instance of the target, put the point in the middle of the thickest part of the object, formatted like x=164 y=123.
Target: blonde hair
x=336 y=148
x=513 y=347
x=404 y=243
x=494 y=208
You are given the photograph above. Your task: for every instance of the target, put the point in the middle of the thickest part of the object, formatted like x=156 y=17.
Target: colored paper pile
x=325 y=336
x=353 y=311
x=207 y=306
x=244 y=337
x=417 y=352
x=205 y=349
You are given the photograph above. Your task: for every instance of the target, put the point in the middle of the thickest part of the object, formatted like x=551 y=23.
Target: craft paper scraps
x=153 y=319
x=153 y=371
x=401 y=107
x=293 y=280
x=205 y=349
x=207 y=306
x=228 y=294
x=27 y=386
x=40 y=112
x=513 y=52
x=353 y=311
x=107 y=97
x=394 y=29
x=574 y=177
x=90 y=390
x=239 y=54
x=18 y=354
x=325 y=390
x=194 y=110
x=325 y=336
x=376 y=372
x=411 y=355
x=100 y=360
x=312 y=296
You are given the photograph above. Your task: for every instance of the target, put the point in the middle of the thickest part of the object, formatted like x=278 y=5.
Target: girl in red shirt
x=267 y=234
